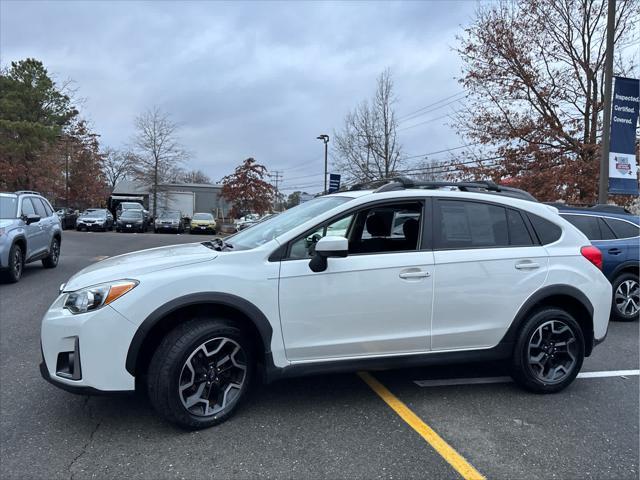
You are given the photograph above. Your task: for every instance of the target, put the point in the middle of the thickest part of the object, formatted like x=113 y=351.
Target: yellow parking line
x=464 y=468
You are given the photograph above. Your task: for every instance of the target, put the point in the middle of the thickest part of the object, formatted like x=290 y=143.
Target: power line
x=442 y=151
x=277 y=176
x=405 y=117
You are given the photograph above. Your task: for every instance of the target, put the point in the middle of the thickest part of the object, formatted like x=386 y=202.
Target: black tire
x=54 y=254
x=118 y=230
x=625 y=284
x=14 y=270
x=167 y=367
x=522 y=370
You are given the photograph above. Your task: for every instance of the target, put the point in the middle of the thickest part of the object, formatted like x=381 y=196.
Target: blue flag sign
x=623 y=169
x=334 y=182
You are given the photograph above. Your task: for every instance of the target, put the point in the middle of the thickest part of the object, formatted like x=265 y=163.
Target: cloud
x=258 y=79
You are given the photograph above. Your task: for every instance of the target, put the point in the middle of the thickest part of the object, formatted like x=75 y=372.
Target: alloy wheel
x=627 y=298
x=552 y=351
x=212 y=377
x=17 y=262
x=55 y=252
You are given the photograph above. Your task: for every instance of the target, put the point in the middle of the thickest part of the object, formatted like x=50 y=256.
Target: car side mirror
x=31 y=218
x=329 y=246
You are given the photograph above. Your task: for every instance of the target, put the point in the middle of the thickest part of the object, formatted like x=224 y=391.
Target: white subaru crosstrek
x=477 y=273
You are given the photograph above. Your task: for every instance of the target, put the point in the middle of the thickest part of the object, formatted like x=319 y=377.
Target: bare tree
x=158 y=150
x=195 y=176
x=366 y=148
x=534 y=71
x=431 y=170
x=117 y=165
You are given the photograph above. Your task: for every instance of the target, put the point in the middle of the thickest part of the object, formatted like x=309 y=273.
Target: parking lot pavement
x=332 y=426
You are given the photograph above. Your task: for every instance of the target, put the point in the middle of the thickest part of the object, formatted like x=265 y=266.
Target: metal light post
x=603 y=185
x=325 y=139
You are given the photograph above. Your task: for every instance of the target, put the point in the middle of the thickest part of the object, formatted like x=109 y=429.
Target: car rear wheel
x=54 y=255
x=14 y=270
x=200 y=373
x=549 y=351
x=626 y=298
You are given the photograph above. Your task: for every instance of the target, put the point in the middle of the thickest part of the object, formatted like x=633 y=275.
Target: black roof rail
x=609 y=208
x=593 y=208
x=401 y=183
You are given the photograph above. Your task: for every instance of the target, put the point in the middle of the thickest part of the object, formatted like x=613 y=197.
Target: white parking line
x=447 y=382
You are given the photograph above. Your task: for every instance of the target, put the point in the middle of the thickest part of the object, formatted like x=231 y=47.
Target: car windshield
x=203 y=216
x=170 y=215
x=8 y=207
x=131 y=215
x=96 y=214
x=275 y=226
x=131 y=206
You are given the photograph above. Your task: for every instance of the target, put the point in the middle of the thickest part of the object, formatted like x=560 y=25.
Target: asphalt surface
x=330 y=426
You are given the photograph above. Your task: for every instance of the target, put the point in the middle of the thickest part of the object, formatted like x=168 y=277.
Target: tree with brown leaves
x=247 y=190
x=534 y=70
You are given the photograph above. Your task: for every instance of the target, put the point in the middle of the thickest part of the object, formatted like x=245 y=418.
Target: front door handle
x=415 y=274
x=527 y=266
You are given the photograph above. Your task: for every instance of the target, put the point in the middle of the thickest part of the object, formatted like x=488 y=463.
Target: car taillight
x=592 y=254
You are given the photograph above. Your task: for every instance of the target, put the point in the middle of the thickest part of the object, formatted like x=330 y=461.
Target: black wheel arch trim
x=203 y=298
x=538 y=297
x=628 y=264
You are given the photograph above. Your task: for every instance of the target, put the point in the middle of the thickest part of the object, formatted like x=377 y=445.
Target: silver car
x=29 y=231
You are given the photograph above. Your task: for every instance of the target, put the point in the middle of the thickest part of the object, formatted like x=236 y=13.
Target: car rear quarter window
x=547 y=232
x=623 y=229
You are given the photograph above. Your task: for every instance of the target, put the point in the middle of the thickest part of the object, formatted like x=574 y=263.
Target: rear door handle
x=414 y=274
x=614 y=251
x=527 y=266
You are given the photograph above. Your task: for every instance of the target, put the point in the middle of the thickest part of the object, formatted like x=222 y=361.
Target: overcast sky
x=254 y=79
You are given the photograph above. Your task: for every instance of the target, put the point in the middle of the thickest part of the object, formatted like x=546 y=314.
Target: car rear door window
x=623 y=229
x=605 y=230
x=518 y=232
x=586 y=224
x=466 y=224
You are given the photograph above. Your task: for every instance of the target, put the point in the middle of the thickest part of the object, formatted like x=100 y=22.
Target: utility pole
x=606 y=121
x=277 y=177
x=325 y=139
x=66 y=173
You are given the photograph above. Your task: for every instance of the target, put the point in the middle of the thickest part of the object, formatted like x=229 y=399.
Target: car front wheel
x=200 y=373
x=549 y=351
x=626 y=298
x=13 y=273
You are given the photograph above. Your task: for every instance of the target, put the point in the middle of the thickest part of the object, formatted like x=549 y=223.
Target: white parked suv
x=477 y=273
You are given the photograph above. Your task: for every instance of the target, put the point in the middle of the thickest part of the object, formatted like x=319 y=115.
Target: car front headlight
x=97 y=296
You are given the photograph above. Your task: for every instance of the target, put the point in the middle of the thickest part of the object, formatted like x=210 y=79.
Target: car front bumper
x=86 y=352
x=91 y=226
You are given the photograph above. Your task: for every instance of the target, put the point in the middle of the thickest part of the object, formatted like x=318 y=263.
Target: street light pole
x=325 y=139
x=603 y=186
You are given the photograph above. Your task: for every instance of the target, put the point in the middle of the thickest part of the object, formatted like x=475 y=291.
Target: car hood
x=7 y=222
x=138 y=263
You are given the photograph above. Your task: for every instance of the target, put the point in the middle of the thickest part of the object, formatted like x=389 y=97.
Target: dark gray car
x=29 y=231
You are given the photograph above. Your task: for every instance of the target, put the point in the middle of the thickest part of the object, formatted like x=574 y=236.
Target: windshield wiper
x=218 y=244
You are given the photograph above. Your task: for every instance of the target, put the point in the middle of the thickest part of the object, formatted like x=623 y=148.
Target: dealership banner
x=623 y=169
x=334 y=182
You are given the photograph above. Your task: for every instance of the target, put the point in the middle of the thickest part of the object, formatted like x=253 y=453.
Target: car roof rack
x=480 y=186
x=26 y=192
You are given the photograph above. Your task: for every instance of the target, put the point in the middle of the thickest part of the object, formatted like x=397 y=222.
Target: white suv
x=473 y=274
